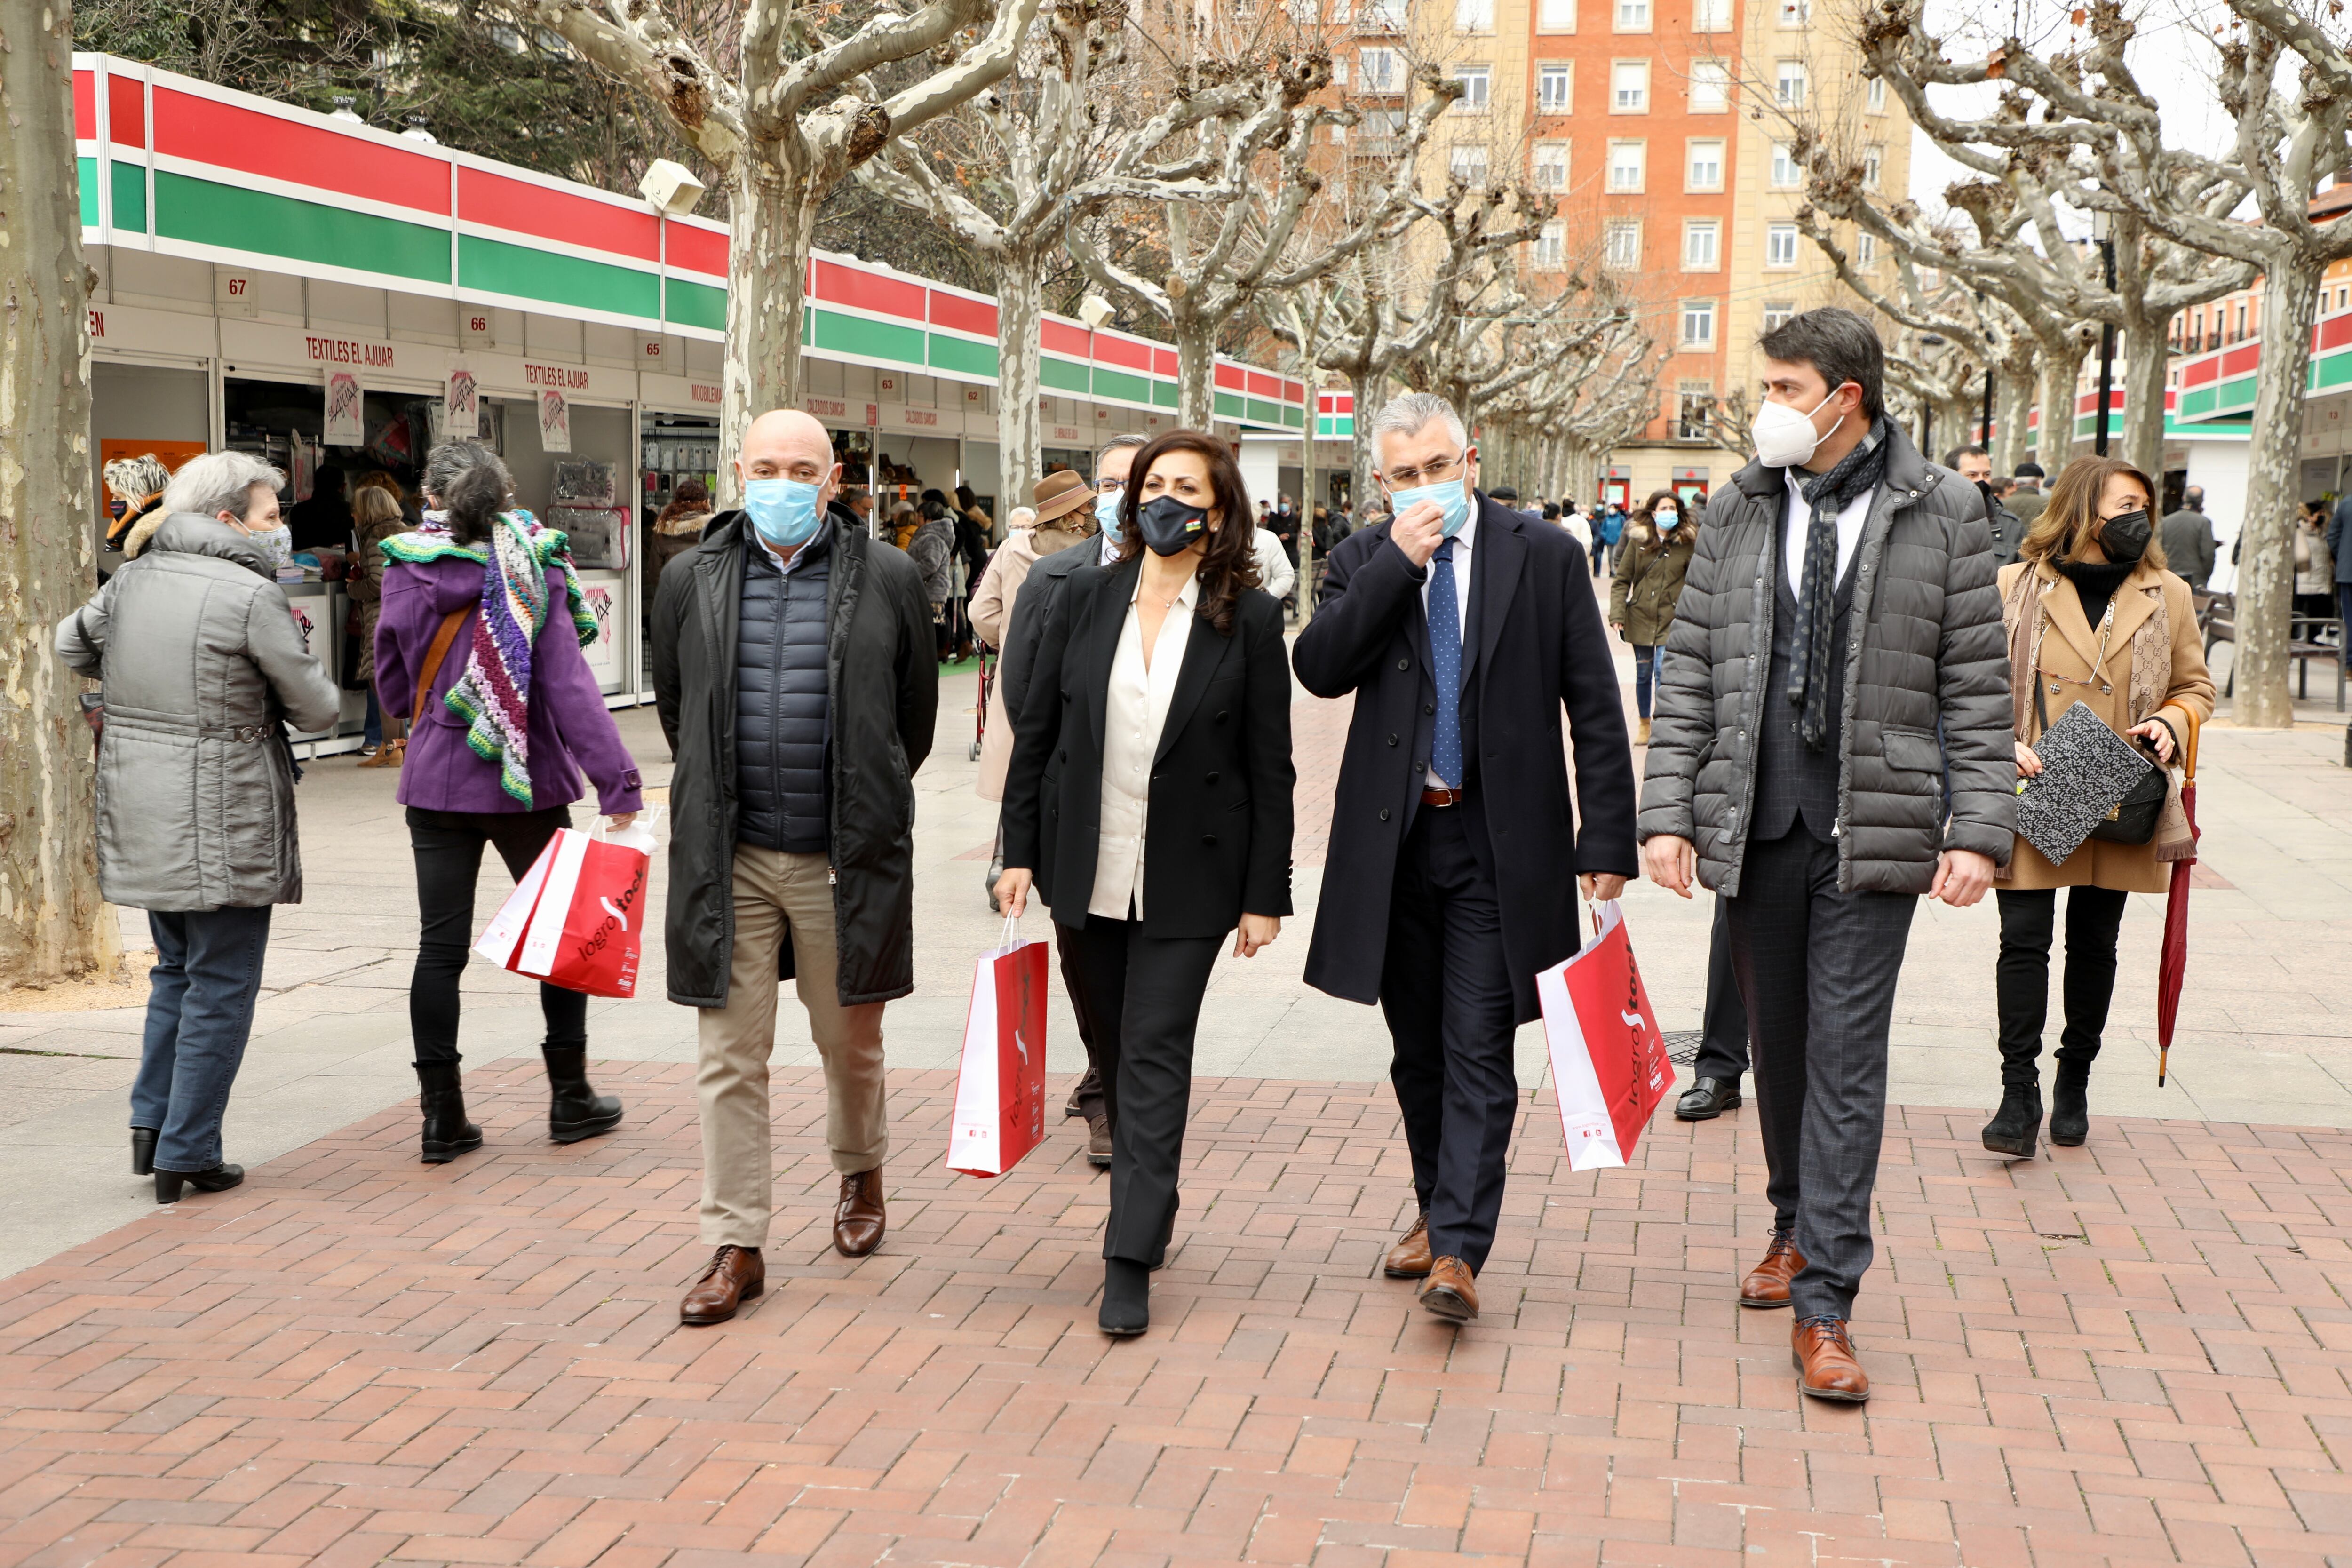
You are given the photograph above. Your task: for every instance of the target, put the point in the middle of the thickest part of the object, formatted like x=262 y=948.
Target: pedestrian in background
x=479 y=642
x=2092 y=611
x=1166 y=824
x=376 y=517
x=2190 y=547
x=1974 y=464
x=931 y=548
x=2315 y=565
x=2028 y=501
x=677 y=528
x=797 y=682
x=1650 y=565
x=136 y=487
x=1610 y=531
x=202 y=666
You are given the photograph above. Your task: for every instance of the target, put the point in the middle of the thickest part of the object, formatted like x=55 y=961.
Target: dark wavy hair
x=1229 y=563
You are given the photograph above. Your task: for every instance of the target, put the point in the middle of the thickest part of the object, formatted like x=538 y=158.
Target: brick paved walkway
x=2133 y=1352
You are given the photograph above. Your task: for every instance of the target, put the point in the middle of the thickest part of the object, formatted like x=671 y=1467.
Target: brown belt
x=1439 y=796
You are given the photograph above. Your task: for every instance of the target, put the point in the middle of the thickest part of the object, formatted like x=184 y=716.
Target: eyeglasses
x=1110 y=487
x=1439 y=470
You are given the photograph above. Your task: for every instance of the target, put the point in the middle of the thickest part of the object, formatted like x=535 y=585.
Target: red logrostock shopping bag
x=1000 y=1107
x=577 y=918
x=1608 y=1059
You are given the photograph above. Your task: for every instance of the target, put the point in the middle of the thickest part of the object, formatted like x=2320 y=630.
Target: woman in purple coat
x=508 y=719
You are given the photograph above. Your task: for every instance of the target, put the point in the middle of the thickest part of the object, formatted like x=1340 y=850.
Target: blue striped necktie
x=1445 y=664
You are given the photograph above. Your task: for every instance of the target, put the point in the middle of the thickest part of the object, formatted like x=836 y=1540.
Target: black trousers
x=1446 y=988
x=448 y=849
x=1145 y=994
x=1723 y=1031
x=1090 y=1087
x=2021 y=982
x=1817 y=968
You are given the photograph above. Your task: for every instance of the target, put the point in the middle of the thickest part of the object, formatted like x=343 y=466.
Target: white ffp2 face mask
x=1785 y=437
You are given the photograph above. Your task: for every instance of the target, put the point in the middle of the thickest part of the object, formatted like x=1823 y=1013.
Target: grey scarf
x=1828 y=494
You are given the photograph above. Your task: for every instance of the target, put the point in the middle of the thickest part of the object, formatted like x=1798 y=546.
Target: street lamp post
x=2102 y=227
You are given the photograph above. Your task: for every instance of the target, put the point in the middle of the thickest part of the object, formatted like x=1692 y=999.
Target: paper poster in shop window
x=346 y=410
x=554 y=423
x=461 y=406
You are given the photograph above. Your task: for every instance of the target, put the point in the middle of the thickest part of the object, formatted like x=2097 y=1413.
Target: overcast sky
x=2172 y=54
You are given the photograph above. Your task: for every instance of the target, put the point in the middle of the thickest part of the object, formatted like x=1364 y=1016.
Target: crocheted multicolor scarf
x=493 y=694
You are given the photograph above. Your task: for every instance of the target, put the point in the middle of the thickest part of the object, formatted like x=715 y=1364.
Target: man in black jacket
x=796 y=683
x=1452 y=824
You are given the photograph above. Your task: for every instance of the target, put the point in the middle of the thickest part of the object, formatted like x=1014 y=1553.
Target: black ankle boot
x=219 y=1179
x=1126 y=1299
x=575 y=1110
x=142 y=1151
x=2070 y=1106
x=2013 y=1128
x=447 y=1133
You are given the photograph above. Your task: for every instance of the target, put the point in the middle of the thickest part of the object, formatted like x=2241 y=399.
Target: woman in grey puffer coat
x=203 y=667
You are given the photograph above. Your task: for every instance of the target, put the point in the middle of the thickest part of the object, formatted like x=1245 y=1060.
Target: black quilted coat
x=1926 y=645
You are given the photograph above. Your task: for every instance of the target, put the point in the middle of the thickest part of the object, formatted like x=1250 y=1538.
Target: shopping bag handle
x=1012 y=931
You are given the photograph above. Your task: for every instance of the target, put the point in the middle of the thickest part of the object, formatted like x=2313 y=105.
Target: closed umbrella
x=2172 y=962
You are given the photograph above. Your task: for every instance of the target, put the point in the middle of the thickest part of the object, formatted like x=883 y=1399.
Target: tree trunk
x=53 y=924
x=2012 y=409
x=1020 y=429
x=2062 y=361
x=2146 y=357
x=1305 y=589
x=773 y=214
x=1364 y=391
x=1584 y=464
x=1196 y=370
x=2266 y=566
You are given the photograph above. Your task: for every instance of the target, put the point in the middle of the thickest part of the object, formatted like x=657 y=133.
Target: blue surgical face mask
x=1106 y=512
x=1452 y=498
x=783 y=510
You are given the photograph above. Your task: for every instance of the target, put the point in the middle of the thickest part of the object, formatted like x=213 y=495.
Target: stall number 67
x=237 y=286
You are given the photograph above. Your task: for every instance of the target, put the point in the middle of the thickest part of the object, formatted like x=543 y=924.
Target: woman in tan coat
x=2094 y=617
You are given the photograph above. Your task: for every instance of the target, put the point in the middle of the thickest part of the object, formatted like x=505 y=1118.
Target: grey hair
x=219 y=482
x=133 y=480
x=1116 y=443
x=471 y=485
x=1021 y=517
x=1409 y=413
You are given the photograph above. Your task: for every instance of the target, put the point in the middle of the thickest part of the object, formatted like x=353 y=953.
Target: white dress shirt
x=1134 y=711
x=1275 y=572
x=1850 y=519
x=1464 y=542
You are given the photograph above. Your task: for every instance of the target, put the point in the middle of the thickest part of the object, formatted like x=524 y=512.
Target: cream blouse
x=1133 y=714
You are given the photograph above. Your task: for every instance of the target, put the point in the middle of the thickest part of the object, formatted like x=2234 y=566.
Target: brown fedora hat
x=1059 y=495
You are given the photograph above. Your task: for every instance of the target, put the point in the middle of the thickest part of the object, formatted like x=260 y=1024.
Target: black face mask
x=1169 y=525
x=2125 y=538
x=1984 y=489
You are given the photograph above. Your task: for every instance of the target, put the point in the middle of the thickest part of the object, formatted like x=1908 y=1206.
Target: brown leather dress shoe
x=1822 y=1349
x=1449 y=1292
x=1766 y=1284
x=1408 y=1259
x=858 y=1222
x=1098 y=1141
x=735 y=1275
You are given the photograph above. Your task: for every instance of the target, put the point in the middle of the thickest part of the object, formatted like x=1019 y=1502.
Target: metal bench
x=2308 y=638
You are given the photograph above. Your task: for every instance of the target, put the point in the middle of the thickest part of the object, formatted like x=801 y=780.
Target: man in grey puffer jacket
x=200 y=659
x=1839 y=611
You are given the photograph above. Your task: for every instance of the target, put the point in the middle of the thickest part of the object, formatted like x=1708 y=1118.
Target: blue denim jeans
x=373 y=732
x=199 y=1014
x=1649 y=663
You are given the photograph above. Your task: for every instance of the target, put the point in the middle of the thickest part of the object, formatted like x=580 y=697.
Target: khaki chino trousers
x=781 y=898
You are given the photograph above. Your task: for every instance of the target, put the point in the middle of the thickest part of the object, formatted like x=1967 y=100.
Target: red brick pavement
x=2134 y=1353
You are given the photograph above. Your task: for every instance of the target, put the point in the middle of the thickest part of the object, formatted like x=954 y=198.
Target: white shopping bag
x=1000 y=1109
x=1609 y=1060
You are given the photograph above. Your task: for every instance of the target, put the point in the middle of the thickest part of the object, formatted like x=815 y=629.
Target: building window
x=1796 y=12
x=1382 y=17
x=1551 y=246
x=1789 y=84
x=1555 y=89
x=1694 y=405
x=1702 y=244
x=1551 y=167
x=1705 y=169
x=1376 y=71
x=1632 y=16
x=1865 y=251
x=1710 y=87
x=1876 y=97
x=1555 y=16
x=1622 y=243
x=1474 y=80
x=1786 y=175
x=1698 y=324
x=1473 y=15
x=1874 y=161
x=1710 y=16
x=1629 y=87
x=1778 y=313
x=1628 y=160
x=1468 y=163
x=1779 y=245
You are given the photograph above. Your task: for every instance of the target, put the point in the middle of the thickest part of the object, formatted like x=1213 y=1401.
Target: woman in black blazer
x=1157 y=733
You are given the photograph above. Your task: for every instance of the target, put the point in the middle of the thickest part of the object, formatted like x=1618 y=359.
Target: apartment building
x=1661 y=131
